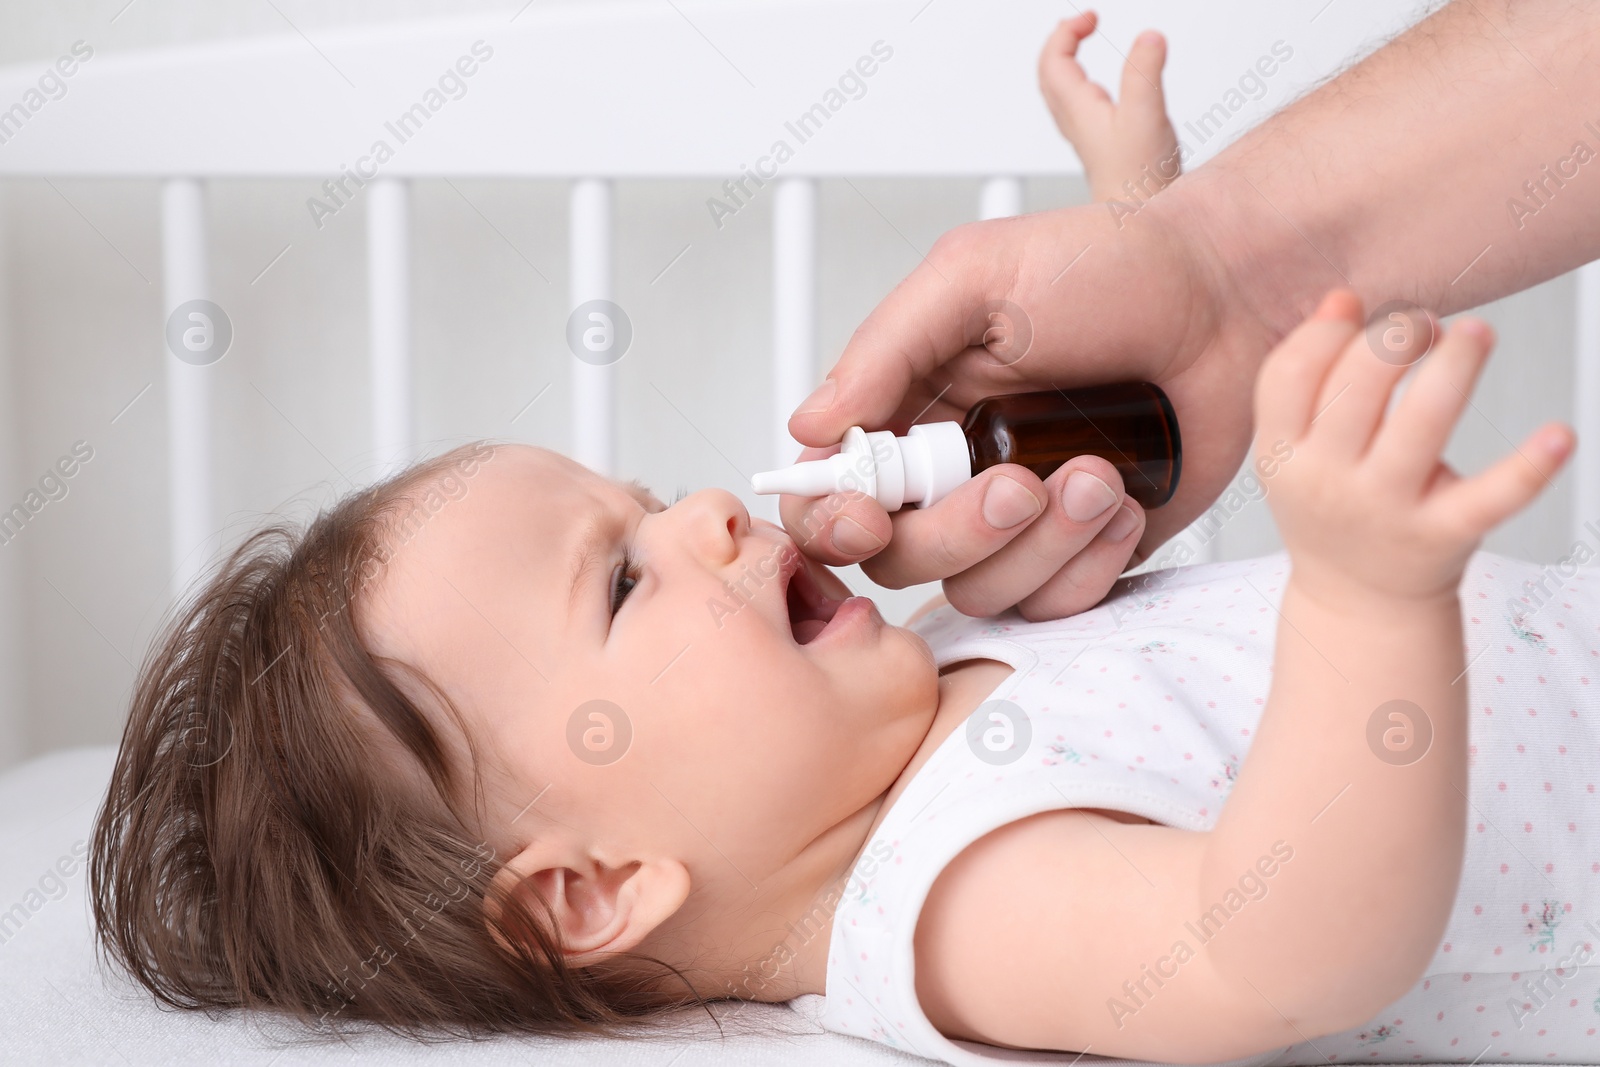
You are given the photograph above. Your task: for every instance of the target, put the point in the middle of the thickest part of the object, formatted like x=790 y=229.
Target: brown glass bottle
x=1131 y=425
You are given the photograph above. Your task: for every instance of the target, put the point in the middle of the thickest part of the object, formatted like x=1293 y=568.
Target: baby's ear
x=598 y=908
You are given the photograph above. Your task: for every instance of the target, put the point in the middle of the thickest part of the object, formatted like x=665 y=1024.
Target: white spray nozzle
x=817 y=477
x=920 y=468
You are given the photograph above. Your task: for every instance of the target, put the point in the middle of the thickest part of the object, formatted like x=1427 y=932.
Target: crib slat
x=189 y=436
x=16 y=621
x=1586 y=410
x=389 y=321
x=1000 y=198
x=794 y=312
x=593 y=385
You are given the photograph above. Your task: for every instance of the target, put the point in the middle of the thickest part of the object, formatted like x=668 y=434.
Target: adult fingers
x=969 y=525
x=839 y=529
x=1085 y=579
x=1085 y=495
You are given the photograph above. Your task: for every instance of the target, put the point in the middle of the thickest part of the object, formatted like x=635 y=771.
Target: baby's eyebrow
x=585 y=560
x=643 y=494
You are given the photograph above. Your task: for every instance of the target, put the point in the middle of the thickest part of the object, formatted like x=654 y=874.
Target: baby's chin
x=925 y=662
x=900 y=655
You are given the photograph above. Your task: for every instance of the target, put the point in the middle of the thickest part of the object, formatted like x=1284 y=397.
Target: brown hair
x=254 y=852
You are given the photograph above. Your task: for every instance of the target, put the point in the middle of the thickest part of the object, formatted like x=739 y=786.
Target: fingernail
x=853 y=539
x=1007 y=502
x=1121 y=524
x=1475 y=327
x=820 y=400
x=1086 y=497
x=1332 y=306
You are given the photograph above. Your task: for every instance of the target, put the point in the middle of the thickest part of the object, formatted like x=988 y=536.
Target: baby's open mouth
x=810 y=609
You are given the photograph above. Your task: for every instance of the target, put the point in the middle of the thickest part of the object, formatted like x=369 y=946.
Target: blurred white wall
x=85 y=585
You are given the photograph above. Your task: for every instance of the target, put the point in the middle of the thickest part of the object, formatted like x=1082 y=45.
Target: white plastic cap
x=920 y=468
x=937 y=460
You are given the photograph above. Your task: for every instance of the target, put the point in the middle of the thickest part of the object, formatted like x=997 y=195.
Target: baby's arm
x=1341 y=842
x=1130 y=141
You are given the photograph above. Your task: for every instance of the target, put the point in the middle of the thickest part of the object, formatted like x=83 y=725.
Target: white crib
x=626 y=89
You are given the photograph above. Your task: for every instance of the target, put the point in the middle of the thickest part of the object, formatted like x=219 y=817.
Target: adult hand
x=1052 y=300
x=1192 y=287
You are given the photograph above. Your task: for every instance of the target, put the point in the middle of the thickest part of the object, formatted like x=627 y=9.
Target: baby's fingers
x=1482 y=503
x=1409 y=443
x=1069 y=33
x=1067 y=89
x=1058 y=63
x=1141 y=75
x=1291 y=378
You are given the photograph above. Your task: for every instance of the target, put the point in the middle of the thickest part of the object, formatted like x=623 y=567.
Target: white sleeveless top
x=1148 y=703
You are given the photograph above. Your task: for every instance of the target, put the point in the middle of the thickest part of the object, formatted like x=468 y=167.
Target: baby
x=502 y=745
x=1128 y=148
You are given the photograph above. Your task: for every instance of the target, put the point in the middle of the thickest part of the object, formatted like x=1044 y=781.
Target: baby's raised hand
x=1129 y=140
x=1366 y=506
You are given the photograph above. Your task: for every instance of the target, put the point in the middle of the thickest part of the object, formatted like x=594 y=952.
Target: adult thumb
x=924 y=322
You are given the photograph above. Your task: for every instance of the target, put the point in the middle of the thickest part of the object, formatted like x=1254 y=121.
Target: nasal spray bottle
x=1131 y=425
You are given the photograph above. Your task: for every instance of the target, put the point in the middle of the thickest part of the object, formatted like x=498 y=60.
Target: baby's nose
x=722 y=514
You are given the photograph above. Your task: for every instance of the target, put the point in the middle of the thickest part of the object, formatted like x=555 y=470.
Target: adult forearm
x=1375 y=814
x=1457 y=164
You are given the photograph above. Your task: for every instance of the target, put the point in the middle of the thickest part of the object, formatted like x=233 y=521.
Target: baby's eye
x=623 y=579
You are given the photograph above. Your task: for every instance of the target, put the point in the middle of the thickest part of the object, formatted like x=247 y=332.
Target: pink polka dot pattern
x=1149 y=703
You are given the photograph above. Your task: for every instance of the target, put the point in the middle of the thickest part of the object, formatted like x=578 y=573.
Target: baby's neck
x=962 y=687
x=799 y=941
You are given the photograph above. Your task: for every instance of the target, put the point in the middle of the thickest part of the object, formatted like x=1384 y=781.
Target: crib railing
x=287 y=107
x=190 y=425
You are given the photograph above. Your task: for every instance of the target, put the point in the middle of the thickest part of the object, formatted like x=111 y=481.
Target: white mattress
x=60 y=1007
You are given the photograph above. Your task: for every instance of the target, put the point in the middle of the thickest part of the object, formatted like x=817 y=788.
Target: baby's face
x=725 y=733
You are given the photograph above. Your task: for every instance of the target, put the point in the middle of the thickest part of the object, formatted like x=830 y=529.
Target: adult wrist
x=1259 y=265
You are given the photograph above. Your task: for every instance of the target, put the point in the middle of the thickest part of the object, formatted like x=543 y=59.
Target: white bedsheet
x=59 y=1007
